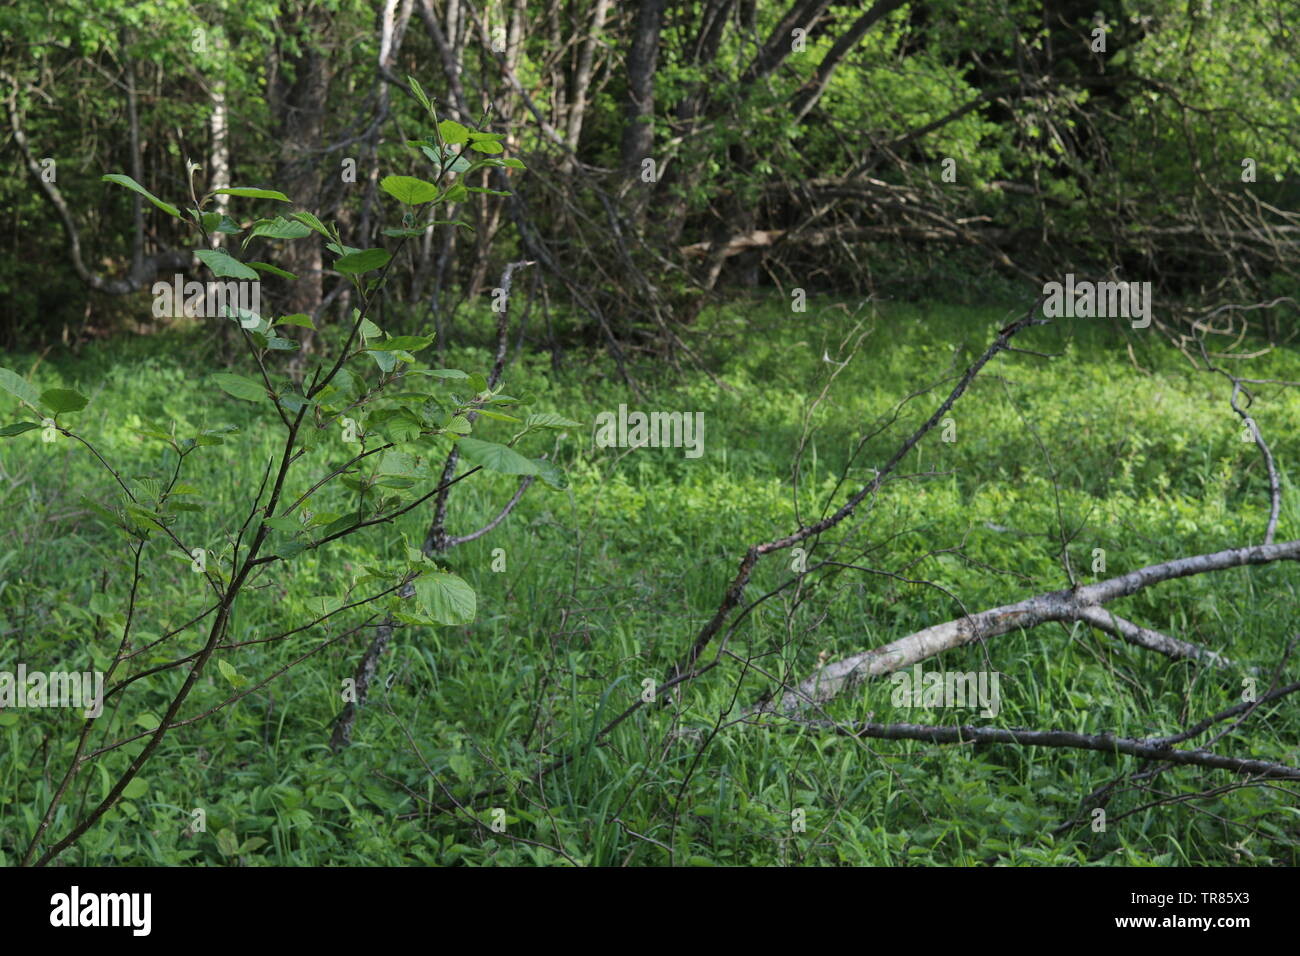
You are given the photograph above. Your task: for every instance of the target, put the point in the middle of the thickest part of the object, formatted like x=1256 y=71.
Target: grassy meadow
x=1115 y=437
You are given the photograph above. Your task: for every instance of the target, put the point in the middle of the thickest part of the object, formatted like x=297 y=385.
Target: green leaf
x=445 y=598
x=298 y=318
x=513 y=164
x=212 y=436
x=248 y=193
x=321 y=605
x=550 y=420
x=551 y=474
x=292 y=401
x=456 y=193
x=240 y=386
x=131 y=184
x=449 y=373
x=19 y=387
x=223 y=264
x=355 y=263
x=343 y=524
x=446 y=159
x=496 y=457
x=452 y=133
x=486 y=146
x=227 y=842
x=308 y=219
x=411 y=343
x=277 y=228
x=409 y=190
x=274 y=270
x=418 y=90
x=60 y=400
x=17 y=428
x=136 y=789
x=230 y=674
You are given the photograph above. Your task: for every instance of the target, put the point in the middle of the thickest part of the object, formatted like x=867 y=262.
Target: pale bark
x=1081 y=604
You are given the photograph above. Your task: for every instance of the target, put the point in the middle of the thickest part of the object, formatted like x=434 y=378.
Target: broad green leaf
x=227 y=842
x=292 y=401
x=452 y=133
x=230 y=674
x=251 y=193
x=343 y=523
x=409 y=190
x=446 y=159
x=19 y=387
x=449 y=373
x=411 y=343
x=124 y=180
x=277 y=228
x=550 y=420
x=496 y=457
x=551 y=474
x=486 y=146
x=60 y=400
x=308 y=219
x=274 y=270
x=223 y=264
x=355 y=263
x=239 y=386
x=137 y=788
x=216 y=222
x=445 y=598
x=498 y=417
x=17 y=428
x=298 y=318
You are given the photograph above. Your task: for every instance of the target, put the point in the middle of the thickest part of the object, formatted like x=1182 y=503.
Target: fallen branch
x=1105 y=743
x=1071 y=604
x=736 y=589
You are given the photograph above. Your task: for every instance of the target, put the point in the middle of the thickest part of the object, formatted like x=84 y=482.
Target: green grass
x=608 y=581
